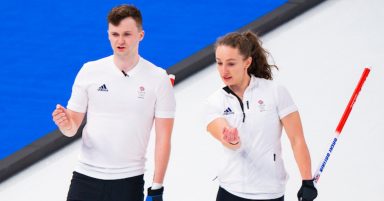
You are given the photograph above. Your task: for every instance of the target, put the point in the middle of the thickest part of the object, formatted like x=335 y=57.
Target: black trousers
x=223 y=195
x=85 y=188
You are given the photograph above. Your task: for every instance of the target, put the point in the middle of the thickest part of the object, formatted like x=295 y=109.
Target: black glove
x=155 y=195
x=308 y=191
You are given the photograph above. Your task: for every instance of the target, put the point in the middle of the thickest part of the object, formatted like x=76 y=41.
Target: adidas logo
x=228 y=111
x=102 y=88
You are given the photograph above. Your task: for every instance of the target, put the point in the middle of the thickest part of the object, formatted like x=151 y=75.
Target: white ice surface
x=321 y=55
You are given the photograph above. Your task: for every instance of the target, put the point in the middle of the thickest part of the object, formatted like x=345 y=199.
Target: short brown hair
x=118 y=13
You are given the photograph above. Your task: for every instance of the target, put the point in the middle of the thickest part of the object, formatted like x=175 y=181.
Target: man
x=121 y=95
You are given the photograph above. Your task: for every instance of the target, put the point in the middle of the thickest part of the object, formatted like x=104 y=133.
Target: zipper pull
x=248 y=105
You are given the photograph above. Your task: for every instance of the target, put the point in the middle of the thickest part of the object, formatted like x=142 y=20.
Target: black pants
x=84 y=188
x=223 y=195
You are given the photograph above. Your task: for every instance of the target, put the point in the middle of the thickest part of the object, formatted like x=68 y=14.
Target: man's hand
x=61 y=118
x=155 y=195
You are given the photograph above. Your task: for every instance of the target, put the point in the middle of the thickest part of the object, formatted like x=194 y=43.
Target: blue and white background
x=44 y=43
x=321 y=55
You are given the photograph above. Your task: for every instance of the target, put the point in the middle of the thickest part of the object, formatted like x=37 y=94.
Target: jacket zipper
x=228 y=90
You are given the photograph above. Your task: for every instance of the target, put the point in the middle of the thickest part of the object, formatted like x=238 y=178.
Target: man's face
x=125 y=37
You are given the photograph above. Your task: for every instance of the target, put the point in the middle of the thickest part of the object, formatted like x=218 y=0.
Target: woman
x=247 y=117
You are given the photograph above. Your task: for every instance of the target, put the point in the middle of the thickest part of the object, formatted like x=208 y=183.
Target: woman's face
x=231 y=65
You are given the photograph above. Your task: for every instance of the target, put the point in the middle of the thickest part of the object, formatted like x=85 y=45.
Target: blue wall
x=44 y=43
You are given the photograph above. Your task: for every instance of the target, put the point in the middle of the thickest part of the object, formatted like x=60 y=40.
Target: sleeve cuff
x=76 y=108
x=287 y=111
x=165 y=114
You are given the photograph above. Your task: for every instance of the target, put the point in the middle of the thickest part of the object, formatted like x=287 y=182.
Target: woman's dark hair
x=249 y=45
x=118 y=13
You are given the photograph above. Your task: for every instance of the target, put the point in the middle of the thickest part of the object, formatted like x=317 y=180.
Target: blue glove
x=308 y=191
x=155 y=195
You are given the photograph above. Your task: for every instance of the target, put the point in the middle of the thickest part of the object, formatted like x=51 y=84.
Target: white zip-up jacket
x=256 y=169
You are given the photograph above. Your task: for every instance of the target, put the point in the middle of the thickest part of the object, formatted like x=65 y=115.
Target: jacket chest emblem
x=141 y=92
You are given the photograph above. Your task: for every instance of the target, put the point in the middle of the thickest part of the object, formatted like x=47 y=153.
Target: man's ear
x=141 y=34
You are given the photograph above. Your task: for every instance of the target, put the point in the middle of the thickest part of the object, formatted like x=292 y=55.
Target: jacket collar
x=252 y=84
